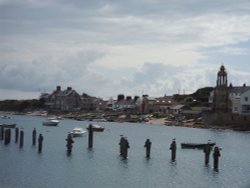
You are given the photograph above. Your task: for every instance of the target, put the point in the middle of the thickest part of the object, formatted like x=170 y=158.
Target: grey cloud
x=46 y=72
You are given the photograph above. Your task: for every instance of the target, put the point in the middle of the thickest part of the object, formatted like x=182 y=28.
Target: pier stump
x=69 y=143
x=216 y=156
x=121 y=143
x=16 y=134
x=173 y=150
x=7 y=136
x=40 y=143
x=147 y=145
x=34 y=137
x=124 y=148
x=90 y=137
x=2 y=133
x=21 y=139
x=207 y=150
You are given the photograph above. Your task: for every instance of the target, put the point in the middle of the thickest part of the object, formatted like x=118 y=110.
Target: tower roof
x=222 y=71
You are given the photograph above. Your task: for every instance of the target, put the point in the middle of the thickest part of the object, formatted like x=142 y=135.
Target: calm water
x=102 y=166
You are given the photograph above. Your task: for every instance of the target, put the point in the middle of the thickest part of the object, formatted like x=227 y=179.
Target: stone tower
x=220 y=103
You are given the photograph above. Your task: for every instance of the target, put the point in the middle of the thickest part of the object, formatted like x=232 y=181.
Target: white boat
x=77 y=132
x=51 y=122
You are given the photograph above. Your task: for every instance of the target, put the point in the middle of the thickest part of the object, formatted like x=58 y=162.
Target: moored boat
x=13 y=125
x=78 y=132
x=97 y=128
x=5 y=117
x=51 y=122
x=196 y=145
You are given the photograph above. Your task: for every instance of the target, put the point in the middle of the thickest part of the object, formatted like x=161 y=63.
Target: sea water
x=102 y=167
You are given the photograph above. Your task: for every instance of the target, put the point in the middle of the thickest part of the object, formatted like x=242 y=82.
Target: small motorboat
x=8 y=125
x=97 y=128
x=5 y=117
x=51 y=122
x=78 y=132
x=196 y=145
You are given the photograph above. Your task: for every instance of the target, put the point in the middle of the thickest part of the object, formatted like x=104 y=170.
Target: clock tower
x=220 y=103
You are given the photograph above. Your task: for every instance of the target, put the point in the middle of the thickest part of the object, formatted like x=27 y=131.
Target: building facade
x=230 y=99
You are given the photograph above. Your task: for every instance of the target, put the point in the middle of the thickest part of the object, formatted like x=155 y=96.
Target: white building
x=240 y=98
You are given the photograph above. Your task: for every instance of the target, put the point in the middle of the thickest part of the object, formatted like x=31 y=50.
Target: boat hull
x=97 y=128
x=195 y=145
x=78 y=132
x=8 y=125
x=50 y=123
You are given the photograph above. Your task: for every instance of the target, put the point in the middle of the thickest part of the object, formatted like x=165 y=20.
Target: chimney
x=120 y=97
x=69 y=88
x=58 y=88
x=128 y=98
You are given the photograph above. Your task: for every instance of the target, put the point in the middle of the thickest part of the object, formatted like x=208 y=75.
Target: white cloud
x=234 y=51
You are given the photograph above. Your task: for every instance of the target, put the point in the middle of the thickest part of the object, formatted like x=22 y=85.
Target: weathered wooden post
x=21 y=139
x=121 y=143
x=69 y=144
x=125 y=146
x=173 y=150
x=147 y=145
x=2 y=132
x=90 y=140
x=16 y=134
x=7 y=136
x=9 y=133
x=40 y=143
x=34 y=137
x=207 y=150
x=216 y=156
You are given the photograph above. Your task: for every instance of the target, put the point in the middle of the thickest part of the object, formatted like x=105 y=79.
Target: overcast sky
x=134 y=47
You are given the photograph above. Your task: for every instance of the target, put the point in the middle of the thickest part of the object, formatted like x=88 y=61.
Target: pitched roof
x=239 y=90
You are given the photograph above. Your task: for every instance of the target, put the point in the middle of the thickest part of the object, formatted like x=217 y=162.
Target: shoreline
x=152 y=121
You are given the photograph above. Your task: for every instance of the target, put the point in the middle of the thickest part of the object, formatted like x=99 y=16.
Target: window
x=246 y=99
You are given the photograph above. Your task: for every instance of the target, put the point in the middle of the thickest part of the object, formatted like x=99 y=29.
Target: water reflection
x=123 y=162
x=90 y=153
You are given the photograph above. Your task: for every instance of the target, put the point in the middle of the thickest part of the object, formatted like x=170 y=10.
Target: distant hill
x=198 y=98
x=21 y=105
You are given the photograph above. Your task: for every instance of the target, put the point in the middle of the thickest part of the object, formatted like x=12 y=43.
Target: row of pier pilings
x=6 y=136
x=124 y=146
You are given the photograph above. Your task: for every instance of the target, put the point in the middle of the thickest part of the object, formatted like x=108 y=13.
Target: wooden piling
x=40 y=143
x=16 y=134
x=69 y=144
x=216 y=156
x=34 y=137
x=7 y=136
x=207 y=150
x=21 y=139
x=173 y=150
x=90 y=136
x=124 y=148
x=121 y=143
x=2 y=133
x=147 y=145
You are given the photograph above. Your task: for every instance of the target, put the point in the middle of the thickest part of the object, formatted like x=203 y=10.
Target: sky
x=130 y=47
